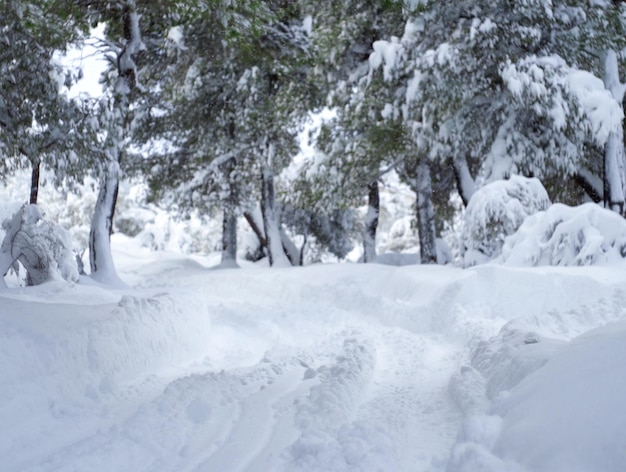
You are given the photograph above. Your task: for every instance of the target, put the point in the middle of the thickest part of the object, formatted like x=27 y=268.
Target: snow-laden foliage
x=496 y=88
x=567 y=236
x=38 y=124
x=42 y=247
x=496 y=211
x=556 y=110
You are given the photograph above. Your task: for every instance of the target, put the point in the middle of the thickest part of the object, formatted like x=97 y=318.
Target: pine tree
x=526 y=68
x=38 y=124
x=355 y=144
x=232 y=115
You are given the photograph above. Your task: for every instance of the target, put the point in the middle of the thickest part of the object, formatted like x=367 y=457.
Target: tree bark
x=614 y=165
x=100 y=257
x=34 y=181
x=585 y=182
x=426 y=213
x=271 y=221
x=229 y=238
x=371 y=222
x=464 y=181
x=255 y=228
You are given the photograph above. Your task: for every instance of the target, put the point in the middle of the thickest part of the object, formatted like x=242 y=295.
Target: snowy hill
x=330 y=367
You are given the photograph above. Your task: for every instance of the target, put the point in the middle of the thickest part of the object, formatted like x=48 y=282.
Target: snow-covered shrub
x=567 y=236
x=42 y=247
x=496 y=211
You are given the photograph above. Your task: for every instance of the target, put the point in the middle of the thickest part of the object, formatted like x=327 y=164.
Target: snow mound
x=496 y=211
x=525 y=380
x=565 y=416
x=577 y=406
x=74 y=360
x=567 y=236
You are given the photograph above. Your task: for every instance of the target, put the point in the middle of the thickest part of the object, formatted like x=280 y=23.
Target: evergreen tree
x=38 y=124
x=232 y=115
x=527 y=69
x=355 y=143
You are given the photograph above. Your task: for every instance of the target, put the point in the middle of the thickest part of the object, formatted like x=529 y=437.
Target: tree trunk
x=587 y=182
x=371 y=222
x=614 y=165
x=271 y=222
x=302 y=249
x=34 y=182
x=425 y=213
x=256 y=229
x=464 y=181
x=229 y=238
x=100 y=258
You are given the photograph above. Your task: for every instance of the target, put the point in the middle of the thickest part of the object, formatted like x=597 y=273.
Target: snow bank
x=495 y=211
x=567 y=236
x=565 y=414
x=577 y=403
x=74 y=359
x=534 y=402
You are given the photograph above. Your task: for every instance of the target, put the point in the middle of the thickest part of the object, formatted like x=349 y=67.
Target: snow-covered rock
x=496 y=211
x=567 y=236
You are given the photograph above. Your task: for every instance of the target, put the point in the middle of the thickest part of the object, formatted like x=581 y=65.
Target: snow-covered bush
x=496 y=211
x=42 y=247
x=567 y=236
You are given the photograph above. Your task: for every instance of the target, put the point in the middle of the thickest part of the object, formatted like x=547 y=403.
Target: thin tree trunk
x=100 y=258
x=271 y=221
x=426 y=213
x=229 y=238
x=34 y=182
x=614 y=165
x=464 y=181
x=255 y=228
x=371 y=222
x=585 y=182
x=302 y=249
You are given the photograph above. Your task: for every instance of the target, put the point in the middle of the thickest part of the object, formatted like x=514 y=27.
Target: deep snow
x=329 y=367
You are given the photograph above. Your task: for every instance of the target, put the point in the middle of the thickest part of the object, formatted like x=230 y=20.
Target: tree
x=497 y=79
x=42 y=247
x=499 y=88
x=353 y=145
x=38 y=124
x=115 y=117
x=230 y=115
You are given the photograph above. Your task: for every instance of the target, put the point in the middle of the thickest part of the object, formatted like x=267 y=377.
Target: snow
x=329 y=367
x=497 y=210
x=563 y=235
x=44 y=248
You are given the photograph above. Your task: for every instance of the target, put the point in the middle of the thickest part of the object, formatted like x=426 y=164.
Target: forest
x=165 y=165
x=208 y=102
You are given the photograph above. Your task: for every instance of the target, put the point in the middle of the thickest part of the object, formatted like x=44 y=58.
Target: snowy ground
x=342 y=367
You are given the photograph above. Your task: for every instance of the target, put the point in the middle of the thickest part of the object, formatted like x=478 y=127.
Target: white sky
x=91 y=61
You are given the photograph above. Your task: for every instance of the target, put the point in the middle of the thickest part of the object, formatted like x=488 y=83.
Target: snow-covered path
x=342 y=387
x=324 y=368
